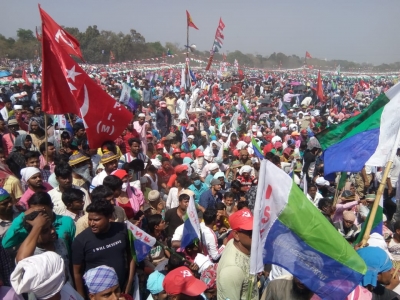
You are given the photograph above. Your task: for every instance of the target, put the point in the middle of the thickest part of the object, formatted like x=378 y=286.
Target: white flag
x=125 y=94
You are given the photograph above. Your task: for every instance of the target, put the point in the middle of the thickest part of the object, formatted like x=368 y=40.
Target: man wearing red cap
x=180 y=284
x=233 y=279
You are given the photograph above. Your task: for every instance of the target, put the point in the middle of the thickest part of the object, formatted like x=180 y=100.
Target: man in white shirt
x=64 y=178
x=110 y=162
x=208 y=237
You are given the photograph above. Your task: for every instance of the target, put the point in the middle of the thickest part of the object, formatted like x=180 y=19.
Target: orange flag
x=190 y=21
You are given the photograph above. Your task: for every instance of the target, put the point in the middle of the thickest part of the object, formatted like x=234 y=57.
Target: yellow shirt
x=13 y=186
x=171 y=104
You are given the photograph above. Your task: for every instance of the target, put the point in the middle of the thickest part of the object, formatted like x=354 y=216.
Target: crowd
x=64 y=205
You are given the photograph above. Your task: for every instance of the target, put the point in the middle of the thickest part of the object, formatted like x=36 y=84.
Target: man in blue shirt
x=197 y=187
x=210 y=197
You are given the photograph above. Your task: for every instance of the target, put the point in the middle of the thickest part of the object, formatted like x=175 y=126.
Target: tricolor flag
x=364 y=139
x=244 y=107
x=257 y=150
x=289 y=231
x=142 y=241
x=190 y=21
x=191 y=225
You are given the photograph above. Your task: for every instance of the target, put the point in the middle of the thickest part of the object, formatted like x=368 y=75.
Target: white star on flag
x=71 y=73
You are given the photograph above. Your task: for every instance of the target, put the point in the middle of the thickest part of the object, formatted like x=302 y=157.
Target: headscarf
x=313 y=143
x=154 y=282
x=28 y=172
x=19 y=142
x=245 y=169
x=100 y=279
x=377 y=261
x=38 y=120
x=42 y=274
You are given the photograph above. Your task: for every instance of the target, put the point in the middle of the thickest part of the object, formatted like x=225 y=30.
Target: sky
x=355 y=30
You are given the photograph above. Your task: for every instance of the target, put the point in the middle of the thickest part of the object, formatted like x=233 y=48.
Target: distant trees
x=96 y=46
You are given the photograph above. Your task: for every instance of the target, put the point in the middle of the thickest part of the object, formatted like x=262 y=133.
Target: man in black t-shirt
x=103 y=243
x=174 y=215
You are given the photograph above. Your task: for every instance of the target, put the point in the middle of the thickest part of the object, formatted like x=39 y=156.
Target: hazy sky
x=357 y=30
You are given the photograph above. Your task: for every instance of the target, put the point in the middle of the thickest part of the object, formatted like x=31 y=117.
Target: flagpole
x=380 y=191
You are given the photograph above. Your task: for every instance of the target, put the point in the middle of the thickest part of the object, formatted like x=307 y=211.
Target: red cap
x=247 y=139
x=182 y=281
x=120 y=173
x=198 y=153
x=303 y=131
x=278 y=145
x=180 y=168
x=176 y=150
x=236 y=152
x=242 y=219
x=159 y=146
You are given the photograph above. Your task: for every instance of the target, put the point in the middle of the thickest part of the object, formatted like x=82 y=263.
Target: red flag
x=237 y=88
x=190 y=21
x=364 y=84
x=210 y=59
x=219 y=34
x=68 y=89
x=221 y=25
x=320 y=92
x=241 y=75
x=112 y=57
x=308 y=55
x=25 y=77
x=63 y=38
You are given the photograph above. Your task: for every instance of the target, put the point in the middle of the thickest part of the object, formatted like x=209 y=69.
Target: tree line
x=97 y=45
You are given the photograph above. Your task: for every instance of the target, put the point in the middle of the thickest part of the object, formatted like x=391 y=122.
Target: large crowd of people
x=64 y=205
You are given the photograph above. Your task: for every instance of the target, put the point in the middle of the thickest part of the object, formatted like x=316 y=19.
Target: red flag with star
x=68 y=89
x=63 y=38
x=190 y=21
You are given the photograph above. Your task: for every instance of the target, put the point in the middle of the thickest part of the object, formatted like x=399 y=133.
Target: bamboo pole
x=45 y=137
x=380 y=191
x=337 y=191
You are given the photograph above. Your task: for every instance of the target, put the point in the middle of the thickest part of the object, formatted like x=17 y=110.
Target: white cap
x=141 y=115
x=191 y=137
x=17 y=106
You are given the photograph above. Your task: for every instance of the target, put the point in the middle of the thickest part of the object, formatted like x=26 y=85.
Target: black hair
x=236 y=184
x=276 y=160
x=101 y=192
x=164 y=159
x=65 y=134
x=269 y=155
x=324 y=202
x=153 y=221
x=220 y=206
x=152 y=169
x=31 y=154
x=311 y=186
x=242 y=204
x=42 y=146
x=102 y=207
x=63 y=170
x=176 y=260
x=209 y=216
x=134 y=140
x=77 y=126
x=113 y=182
x=40 y=198
x=183 y=181
x=229 y=195
x=137 y=165
x=32 y=216
x=110 y=146
x=183 y=197
x=71 y=194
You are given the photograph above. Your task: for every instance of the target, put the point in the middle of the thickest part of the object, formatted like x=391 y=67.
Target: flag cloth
x=112 y=57
x=348 y=146
x=191 y=225
x=377 y=224
x=68 y=89
x=320 y=91
x=221 y=25
x=25 y=77
x=257 y=150
x=142 y=242
x=286 y=222
x=190 y=21
x=338 y=70
x=169 y=53
x=125 y=94
x=308 y=55
x=63 y=38
x=245 y=108
x=185 y=143
x=134 y=99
